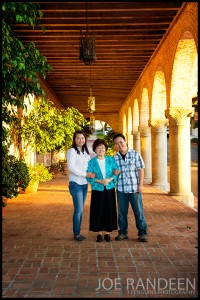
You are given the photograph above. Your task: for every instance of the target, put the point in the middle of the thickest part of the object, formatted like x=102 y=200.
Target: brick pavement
x=41 y=259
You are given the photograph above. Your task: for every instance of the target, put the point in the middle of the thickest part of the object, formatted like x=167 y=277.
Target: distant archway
x=144 y=108
x=135 y=115
x=159 y=101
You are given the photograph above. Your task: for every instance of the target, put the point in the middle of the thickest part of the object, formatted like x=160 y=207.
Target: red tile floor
x=41 y=259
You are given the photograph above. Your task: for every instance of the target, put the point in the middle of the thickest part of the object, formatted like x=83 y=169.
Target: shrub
x=39 y=173
x=15 y=174
x=194 y=140
x=111 y=152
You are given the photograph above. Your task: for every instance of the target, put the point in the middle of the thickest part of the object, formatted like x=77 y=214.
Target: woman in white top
x=77 y=160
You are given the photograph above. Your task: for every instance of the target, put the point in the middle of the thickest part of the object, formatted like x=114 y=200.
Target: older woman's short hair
x=98 y=142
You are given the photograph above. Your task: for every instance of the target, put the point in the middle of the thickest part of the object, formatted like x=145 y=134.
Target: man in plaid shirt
x=129 y=188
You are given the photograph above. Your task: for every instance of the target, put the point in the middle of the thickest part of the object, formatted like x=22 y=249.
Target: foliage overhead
x=21 y=63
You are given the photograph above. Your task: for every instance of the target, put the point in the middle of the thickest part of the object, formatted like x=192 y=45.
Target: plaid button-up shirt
x=128 y=179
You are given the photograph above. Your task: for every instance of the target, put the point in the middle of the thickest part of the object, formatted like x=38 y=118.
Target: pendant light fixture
x=87 y=44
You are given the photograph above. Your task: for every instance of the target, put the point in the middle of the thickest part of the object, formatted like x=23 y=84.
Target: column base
x=186 y=198
x=162 y=186
x=147 y=180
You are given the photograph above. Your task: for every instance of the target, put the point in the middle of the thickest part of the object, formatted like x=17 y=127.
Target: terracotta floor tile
x=41 y=259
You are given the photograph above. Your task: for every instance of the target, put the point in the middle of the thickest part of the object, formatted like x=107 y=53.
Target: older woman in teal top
x=103 y=211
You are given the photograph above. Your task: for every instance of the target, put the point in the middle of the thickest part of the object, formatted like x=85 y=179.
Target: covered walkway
x=41 y=259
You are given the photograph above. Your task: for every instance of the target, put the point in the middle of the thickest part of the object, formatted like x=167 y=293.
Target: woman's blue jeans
x=79 y=194
x=135 y=200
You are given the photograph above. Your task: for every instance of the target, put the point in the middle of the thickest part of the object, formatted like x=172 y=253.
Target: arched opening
x=180 y=111
x=145 y=137
x=129 y=132
x=158 y=123
x=124 y=125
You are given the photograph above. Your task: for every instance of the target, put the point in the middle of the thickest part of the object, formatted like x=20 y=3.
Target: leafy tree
x=109 y=139
x=195 y=124
x=21 y=63
x=87 y=128
x=47 y=128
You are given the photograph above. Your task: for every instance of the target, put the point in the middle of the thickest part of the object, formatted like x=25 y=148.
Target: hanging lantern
x=87 y=45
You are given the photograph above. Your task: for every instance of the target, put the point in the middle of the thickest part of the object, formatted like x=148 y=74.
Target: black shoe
x=79 y=238
x=143 y=238
x=121 y=237
x=107 y=237
x=99 y=238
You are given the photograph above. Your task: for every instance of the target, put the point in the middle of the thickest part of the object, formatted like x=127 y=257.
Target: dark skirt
x=103 y=211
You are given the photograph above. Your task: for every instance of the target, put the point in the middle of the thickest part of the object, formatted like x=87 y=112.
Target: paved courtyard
x=41 y=259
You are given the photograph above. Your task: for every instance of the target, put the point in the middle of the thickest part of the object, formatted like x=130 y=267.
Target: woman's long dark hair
x=84 y=148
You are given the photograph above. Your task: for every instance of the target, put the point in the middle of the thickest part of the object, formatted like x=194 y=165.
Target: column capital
x=136 y=134
x=158 y=123
x=180 y=114
x=144 y=130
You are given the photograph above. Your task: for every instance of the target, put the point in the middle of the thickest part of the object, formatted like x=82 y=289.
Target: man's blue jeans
x=135 y=200
x=79 y=194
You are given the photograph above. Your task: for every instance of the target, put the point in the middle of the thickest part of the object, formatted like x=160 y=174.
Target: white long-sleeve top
x=77 y=166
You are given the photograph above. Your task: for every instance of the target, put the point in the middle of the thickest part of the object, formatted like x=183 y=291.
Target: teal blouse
x=110 y=166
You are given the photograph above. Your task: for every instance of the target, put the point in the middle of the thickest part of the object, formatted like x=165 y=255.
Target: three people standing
x=123 y=172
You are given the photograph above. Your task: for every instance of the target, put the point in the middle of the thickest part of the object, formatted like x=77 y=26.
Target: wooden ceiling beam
x=126 y=34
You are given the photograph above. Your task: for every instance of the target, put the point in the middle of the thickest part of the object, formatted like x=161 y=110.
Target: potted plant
x=4 y=204
x=63 y=166
x=38 y=173
x=54 y=169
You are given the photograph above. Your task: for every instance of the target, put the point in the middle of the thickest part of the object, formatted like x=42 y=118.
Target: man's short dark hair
x=119 y=135
x=98 y=142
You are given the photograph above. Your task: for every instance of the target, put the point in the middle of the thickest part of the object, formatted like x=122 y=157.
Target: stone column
x=136 y=141
x=130 y=140
x=180 y=153
x=159 y=153
x=145 y=138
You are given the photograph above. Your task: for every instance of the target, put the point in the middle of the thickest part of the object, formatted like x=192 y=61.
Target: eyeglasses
x=119 y=143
